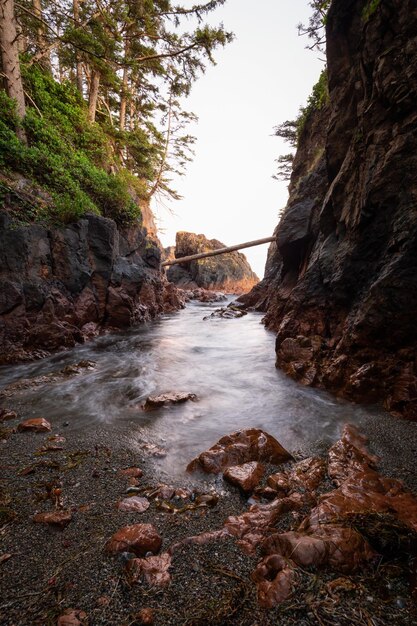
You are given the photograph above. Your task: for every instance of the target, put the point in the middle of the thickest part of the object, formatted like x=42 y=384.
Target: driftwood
x=203 y=255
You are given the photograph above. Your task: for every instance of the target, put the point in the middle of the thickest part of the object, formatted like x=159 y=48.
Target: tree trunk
x=93 y=95
x=79 y=65
x=204 y=255
x=125 y=85
x=164 y=156
x=41 y=38
x=123 y=100
x=132 y=116
x=10 y=59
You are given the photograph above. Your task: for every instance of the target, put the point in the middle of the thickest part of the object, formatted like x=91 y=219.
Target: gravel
x=50 y=570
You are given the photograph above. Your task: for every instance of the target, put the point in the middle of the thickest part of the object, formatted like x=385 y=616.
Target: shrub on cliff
x=291 y=130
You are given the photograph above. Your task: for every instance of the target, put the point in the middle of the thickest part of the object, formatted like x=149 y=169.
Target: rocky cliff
x=61 y=285
x=229 y=272
x=340 y=286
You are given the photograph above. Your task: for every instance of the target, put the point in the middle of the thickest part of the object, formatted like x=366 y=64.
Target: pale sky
x=260 y=80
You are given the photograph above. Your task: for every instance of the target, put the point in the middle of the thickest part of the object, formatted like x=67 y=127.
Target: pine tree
x=10 y=60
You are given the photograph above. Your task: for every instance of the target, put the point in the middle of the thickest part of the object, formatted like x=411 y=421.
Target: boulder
x=246 y=476
x=37 y=425
x=230 y=272
x=138 y=538
x=55 y=518
x=134 y=504
x=155 y=402
x=240 y=447
x=155 y=570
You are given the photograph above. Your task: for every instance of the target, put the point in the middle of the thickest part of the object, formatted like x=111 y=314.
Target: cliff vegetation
x=90 y=114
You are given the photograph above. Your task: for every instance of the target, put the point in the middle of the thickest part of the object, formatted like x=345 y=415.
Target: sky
x=259 y=80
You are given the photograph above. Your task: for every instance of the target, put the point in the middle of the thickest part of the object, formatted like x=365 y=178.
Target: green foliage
x=66 y=155
x=315 y=29
x=131 y=61
x=370 y=8
x=284 y=168
x=287 y=131
x=316 y=100
x=291 y=130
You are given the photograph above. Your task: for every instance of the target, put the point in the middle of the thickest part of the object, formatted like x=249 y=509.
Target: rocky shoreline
x=66 y=573
x=64 y=285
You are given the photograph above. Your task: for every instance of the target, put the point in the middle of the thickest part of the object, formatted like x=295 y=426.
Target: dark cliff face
x=340 y=286
x=59 y=286
x=229 y=272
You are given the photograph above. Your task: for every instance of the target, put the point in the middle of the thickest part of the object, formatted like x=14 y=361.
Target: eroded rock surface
x=155 y=569
x=306 y=474
x=364 y=518
x=62 y=285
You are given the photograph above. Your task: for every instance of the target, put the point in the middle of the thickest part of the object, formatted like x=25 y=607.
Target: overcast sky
x=260 y=80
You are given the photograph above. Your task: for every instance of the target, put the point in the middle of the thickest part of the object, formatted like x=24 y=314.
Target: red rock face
x=343 y=549
x=37 y=425
x=320 y=541
x=238 y=448
x=138 y=538
x=341 y=529
x=252 y=527
x=246 y=476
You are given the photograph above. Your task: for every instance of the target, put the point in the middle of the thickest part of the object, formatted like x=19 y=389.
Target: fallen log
x=203 y=255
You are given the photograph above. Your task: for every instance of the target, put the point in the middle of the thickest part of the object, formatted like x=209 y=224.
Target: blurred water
x=229 y=364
